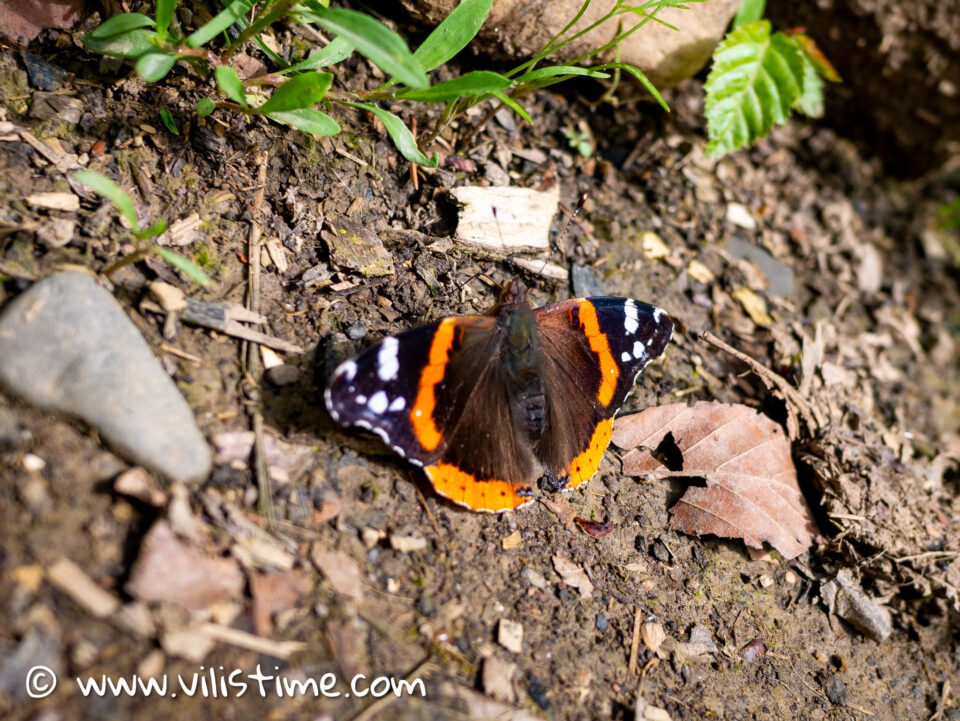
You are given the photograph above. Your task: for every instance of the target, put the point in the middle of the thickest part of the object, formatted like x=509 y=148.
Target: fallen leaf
x=167 y=569
x=274 y=592
x=341 y=570
x=573 y=576
x=595 y=529
x=751 y=491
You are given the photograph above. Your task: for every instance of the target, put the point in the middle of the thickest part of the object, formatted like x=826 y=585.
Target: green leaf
x=129 y=44
x=748 y=12
x=815 y=55
x=754 y=83
x=401 y=136
x=167 y=117
x=229 y=82
x=640 y=77
x=298 y=92
x=810 y=102
x=452 y=35
x=165 y=10
x=332 y=53
x=120 y=24
x=224 y=19
x=155 y=65
x=308 y=120
x=385 y=48
x=154 y=230
x=554 y=71
x=102 y=185
x=478 y=82
x=205 y=106
x=514 y=106
x=184 y=265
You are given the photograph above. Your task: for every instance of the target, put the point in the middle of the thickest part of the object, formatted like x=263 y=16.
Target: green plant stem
x=280 y=9
x=135 y=256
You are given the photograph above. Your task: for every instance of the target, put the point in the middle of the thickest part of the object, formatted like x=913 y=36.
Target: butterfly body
x=489 y=403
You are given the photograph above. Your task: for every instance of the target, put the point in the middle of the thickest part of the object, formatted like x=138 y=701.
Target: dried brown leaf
x=751 y=492
x=573 y=575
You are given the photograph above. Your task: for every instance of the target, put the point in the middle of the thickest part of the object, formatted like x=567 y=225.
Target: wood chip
x=340 y=570
x=183 y=232
x=544 y=269
x=257 y=644
x=754 y=305
x=226 y=319
x=69 y=578
x=138 y=483
x=54 y=201
x=653 y=246
x=406 y=544
x=510 y=635
x=506 y=218
x=497 y=679
x=514 y=540
x=573 y=576
x=653 y=636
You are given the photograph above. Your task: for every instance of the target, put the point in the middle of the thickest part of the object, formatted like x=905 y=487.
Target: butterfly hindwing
x=592 y=351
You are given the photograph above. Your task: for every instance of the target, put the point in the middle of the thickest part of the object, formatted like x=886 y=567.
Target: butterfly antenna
x=554 y=246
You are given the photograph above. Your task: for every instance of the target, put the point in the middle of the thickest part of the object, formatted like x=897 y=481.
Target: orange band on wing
x=421 y=414
x=587 y=463
x=465 y=489
x=600 y=346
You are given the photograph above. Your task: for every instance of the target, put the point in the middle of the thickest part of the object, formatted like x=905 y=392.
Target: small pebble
x=356 y=331
x=602 y=623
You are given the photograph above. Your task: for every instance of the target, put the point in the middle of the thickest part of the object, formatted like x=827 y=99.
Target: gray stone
x=66 y=345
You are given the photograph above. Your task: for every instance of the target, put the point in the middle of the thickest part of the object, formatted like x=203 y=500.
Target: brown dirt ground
x=881 y=474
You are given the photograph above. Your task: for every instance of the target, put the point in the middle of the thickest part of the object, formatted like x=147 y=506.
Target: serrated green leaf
x=810 y=102
x=478 y=82
x=119 y=24
x=220 y=22
x=205 y=106
x=103 y=186
x=514 y=106
x=298 y=92
x=184 y=265
x=754 y=82
x=814 y=54
x=155 y=65
x=129 y=44
x=748 y=12
x=308 y=120
x=401 y=136
x=385 y=48
x=554 y=71
x=165 y=10
x=332 y=53
x=167 y=118
x=230 y=84
x=452 y=35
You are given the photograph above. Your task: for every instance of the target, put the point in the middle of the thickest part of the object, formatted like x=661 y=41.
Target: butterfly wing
x=436 y=396
x=592 y=350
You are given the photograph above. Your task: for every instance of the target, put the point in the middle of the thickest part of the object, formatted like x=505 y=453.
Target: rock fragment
x=66 y=345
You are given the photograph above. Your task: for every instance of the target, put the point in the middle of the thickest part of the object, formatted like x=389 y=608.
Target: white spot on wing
x=626 y=357
x=631 y=320
x=638 y=348
x=657 y=314
x=348 y=369
x=388 y=364
x=398 y=404
x=361 y=399
x=378 y=403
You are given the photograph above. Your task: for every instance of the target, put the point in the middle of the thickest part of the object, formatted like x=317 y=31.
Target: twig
x=635 y=643
x=810 y=414
x=265 y=500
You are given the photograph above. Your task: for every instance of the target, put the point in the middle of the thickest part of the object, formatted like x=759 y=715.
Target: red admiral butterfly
x=489 y=403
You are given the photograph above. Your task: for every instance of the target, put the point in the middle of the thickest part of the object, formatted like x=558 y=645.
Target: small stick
x=635 y=643
x=811 y=416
